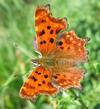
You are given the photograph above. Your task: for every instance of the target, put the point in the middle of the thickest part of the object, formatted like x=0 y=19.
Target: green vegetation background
x=16 y=51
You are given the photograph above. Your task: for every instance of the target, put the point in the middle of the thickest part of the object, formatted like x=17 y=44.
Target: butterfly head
x=35 y=61
x=39 y=61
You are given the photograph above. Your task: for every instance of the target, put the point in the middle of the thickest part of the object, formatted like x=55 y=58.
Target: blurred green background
x=16 y=50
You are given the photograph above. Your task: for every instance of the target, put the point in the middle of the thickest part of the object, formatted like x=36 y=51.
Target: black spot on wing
x=59 y=43
x=43 y=20
x=43 y=42
x=33 y=78
x=51 y=31
x=48 y=27
x=51 y=40
x=43 y=82
x=46 y=76
x=37 y=72
x=39 y=84
x=55 y=77
x=41 y=33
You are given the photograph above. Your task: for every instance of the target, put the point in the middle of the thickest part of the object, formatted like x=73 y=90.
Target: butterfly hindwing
x=70 y=78
x=72 y=47
x=39 y=81
x=47 y=27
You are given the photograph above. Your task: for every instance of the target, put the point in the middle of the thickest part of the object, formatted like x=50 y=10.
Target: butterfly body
x=57 y=67
x=54 y=63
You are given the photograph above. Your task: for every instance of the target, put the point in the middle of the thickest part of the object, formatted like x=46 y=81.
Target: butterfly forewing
x=39 y=81
x=47 y=28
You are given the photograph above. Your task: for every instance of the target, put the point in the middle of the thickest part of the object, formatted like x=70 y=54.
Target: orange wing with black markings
x=39 y=81
x=70 y=78
x=47 y=27
x=71 y=47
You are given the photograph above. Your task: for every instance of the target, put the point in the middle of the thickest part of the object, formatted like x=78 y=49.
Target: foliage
x=16 y=51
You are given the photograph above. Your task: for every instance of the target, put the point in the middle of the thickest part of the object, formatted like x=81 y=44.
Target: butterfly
x=61 y=53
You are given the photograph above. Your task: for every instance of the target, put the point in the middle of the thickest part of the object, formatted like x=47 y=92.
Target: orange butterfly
x=61 y=53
